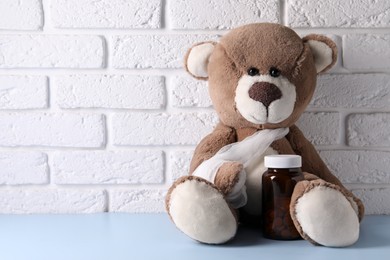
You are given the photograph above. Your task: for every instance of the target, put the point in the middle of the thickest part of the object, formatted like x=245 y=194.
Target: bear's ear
x=324 y=51
x=197 y=59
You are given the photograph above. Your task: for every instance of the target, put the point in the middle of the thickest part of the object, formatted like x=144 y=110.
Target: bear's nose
x=264 y=92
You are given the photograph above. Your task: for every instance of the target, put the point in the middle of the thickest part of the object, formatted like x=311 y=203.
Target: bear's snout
x=265 y=93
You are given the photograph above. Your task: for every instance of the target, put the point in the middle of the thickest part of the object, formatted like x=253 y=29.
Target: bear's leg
x=198 y=208
x=324 y=213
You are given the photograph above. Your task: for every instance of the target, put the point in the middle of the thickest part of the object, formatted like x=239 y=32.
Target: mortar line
x=168 y=31
x=283 y=12
x=163 y=18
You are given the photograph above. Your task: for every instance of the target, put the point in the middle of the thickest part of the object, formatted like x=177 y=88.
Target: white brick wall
x=21 y=15
x=189 y=93
x=321 y=128
x=106 y=167
x=371 y=166
x=51 y=51
x=335 y=13
x=23 y=92
x=51 y=129
x=365 y=130
x=220 y=14
x=23 y=168
x=137 y=201
x=367 y=51
x=161 y=128
x=152 y=51
x=97 y=113
x=109 y=91
x=105 y=14
x=52 y=200
x=352 y=91
x=179 y=164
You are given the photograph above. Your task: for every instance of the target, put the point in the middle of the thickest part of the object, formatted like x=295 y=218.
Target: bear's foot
x=324 y=214
x=198 y=208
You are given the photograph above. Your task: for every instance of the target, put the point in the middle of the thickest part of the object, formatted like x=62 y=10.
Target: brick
x=137 y=201
x=23 y=168
x=366 y=51
x=128 y=14
x=51 y=51
x=334 y=13
x=117 y=167
x=368 y=130
x=375 y=200
x=110 y=91
x=352 y=91
x=354 y=166
x=189 y=92
x=23 y=92
x=161 y=128
x=321 y=128
x=152 y=51
x=52 y=130
x=220 y=14
x=48 y=200
x=21 y=15
x=179 y=164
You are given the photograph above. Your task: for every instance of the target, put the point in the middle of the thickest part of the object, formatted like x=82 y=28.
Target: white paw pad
x=200 y=211
x=327 y=217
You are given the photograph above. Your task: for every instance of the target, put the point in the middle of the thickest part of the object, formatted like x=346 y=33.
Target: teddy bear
x=261 y=77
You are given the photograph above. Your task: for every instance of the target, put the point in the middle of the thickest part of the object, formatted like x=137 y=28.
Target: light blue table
x=153 y=236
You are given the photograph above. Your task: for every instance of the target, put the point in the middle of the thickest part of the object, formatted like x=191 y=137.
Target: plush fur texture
x=323 y=214
x=227 y=176
x=201 y=212
x=250 y=46
x=263 y=76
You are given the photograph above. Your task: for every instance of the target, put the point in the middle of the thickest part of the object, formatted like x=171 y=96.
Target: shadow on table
x=246 y=236
x=374 y=233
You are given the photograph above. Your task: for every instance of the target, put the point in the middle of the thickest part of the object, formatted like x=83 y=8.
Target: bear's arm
x=211 y=144
x=311 y=160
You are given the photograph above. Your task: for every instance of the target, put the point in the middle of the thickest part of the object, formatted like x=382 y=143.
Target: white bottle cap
x=283 y=161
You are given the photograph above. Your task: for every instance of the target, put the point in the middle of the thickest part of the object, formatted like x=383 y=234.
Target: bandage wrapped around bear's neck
x=244 y=152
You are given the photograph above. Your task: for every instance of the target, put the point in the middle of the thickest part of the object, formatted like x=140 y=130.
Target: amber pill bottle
x=284 y=172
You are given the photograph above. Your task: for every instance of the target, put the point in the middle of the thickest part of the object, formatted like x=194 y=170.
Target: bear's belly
x=254 y=173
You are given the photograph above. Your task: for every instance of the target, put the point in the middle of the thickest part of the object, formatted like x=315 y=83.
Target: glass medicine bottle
x=284 y=172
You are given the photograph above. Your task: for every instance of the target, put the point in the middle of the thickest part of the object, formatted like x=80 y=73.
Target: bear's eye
x=253 y=71
x=274 y=72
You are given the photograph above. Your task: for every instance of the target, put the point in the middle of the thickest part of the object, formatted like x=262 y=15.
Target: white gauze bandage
x=250 y=148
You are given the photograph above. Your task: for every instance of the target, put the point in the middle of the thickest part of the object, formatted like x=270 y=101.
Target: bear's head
x=261 y=75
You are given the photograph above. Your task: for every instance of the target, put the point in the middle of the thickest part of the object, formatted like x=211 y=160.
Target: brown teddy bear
x=261 y=78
